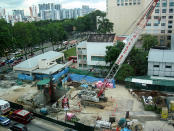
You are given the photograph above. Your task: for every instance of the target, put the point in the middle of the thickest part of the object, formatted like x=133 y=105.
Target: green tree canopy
x=113 y=52
x=6 y=37
x=104 y=26
x=149 y=41
x=125 y=71
x=56 y=33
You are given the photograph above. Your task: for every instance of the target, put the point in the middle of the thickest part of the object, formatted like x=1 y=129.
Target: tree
x=149 y=41
x=34 y=35
x=104 y=26
x=88 y=22
x=56 y=33
x=22 y=36
x=138 y=60
x=125 y=71
x=42 y=31
x=113 y=52
x=6 y=37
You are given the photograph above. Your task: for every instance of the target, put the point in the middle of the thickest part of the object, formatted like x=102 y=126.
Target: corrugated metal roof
x=156 y=55
x=32 y=63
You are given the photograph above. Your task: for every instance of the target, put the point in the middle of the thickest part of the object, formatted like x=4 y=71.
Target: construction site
x=87 y=102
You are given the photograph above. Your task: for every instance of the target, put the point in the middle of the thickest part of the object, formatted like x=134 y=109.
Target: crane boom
x=131 y=40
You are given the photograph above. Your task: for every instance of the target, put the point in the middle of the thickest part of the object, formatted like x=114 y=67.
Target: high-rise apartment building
x=2 y=12
x=125 y=13
x=33 y=11
x=18 y=13
x=86 y=10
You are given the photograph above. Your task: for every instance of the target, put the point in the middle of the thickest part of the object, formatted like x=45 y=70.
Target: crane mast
x=131 y=40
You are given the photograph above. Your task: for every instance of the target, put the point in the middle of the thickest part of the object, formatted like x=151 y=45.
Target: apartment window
x=156 y=17
x=157 y=11
x=171 y=4
x=97 y=58
x=80 y=65
x=170 y=10
x=163 y=10
x=169 y=31
x=170 y=26
x=170 y=22
x=162 y=31
x=155 y=75
x=126 y=4
x=163 y=17
x=84 y=57
x=170 y=17
x=163 y=24
x=164 y=4
x=148 y=24
x=79 y=49
x=80 y=57
x=156 y=66
x=168 y=66
x=84 y=65
x=155 y=24
x=168 y=37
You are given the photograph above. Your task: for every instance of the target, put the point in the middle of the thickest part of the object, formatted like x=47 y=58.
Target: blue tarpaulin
x=41 y=77
x=58 y=75
x=25 y=77
x=88 y=79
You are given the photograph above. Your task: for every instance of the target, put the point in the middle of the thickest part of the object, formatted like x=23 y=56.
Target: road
x=40 y=125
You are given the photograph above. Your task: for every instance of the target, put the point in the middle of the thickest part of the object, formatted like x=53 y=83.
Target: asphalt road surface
x=39 y=125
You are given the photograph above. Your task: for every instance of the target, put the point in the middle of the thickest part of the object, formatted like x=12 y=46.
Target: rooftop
x=50 y=70
x=157 y=55
x=101 y=38
x=32 y=63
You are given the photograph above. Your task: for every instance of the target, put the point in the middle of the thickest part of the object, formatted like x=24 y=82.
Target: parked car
x=4 y=120
x=2 y=63
x=22 y=116
x=18 y=127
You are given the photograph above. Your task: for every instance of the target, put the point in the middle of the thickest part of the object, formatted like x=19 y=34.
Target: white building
x=123 y=13
x=161 y=63
x=42 y=64
x=91 y=53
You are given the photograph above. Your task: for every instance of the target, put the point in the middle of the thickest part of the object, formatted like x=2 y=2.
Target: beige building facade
x=123 y=13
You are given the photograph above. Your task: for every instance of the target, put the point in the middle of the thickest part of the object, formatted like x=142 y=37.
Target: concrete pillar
x=172 y=42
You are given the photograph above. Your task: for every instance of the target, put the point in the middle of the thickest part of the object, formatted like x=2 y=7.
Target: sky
x=9 y=5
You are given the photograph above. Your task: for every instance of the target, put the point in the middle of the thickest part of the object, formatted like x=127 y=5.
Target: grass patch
x=70 y=52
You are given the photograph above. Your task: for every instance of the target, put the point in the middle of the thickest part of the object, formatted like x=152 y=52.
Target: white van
x=4 y=107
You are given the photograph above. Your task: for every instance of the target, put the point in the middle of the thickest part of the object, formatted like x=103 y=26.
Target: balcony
x=82 y=61
x=82 y=52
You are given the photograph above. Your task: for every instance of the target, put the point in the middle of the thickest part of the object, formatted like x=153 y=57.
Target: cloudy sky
x=24 y=4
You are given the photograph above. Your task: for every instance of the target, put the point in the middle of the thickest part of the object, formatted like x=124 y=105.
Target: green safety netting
x=43 y=82
x=157 y=84
x=82 y=72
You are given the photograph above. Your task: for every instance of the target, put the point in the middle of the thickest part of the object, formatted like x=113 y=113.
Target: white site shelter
x=42 y=64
